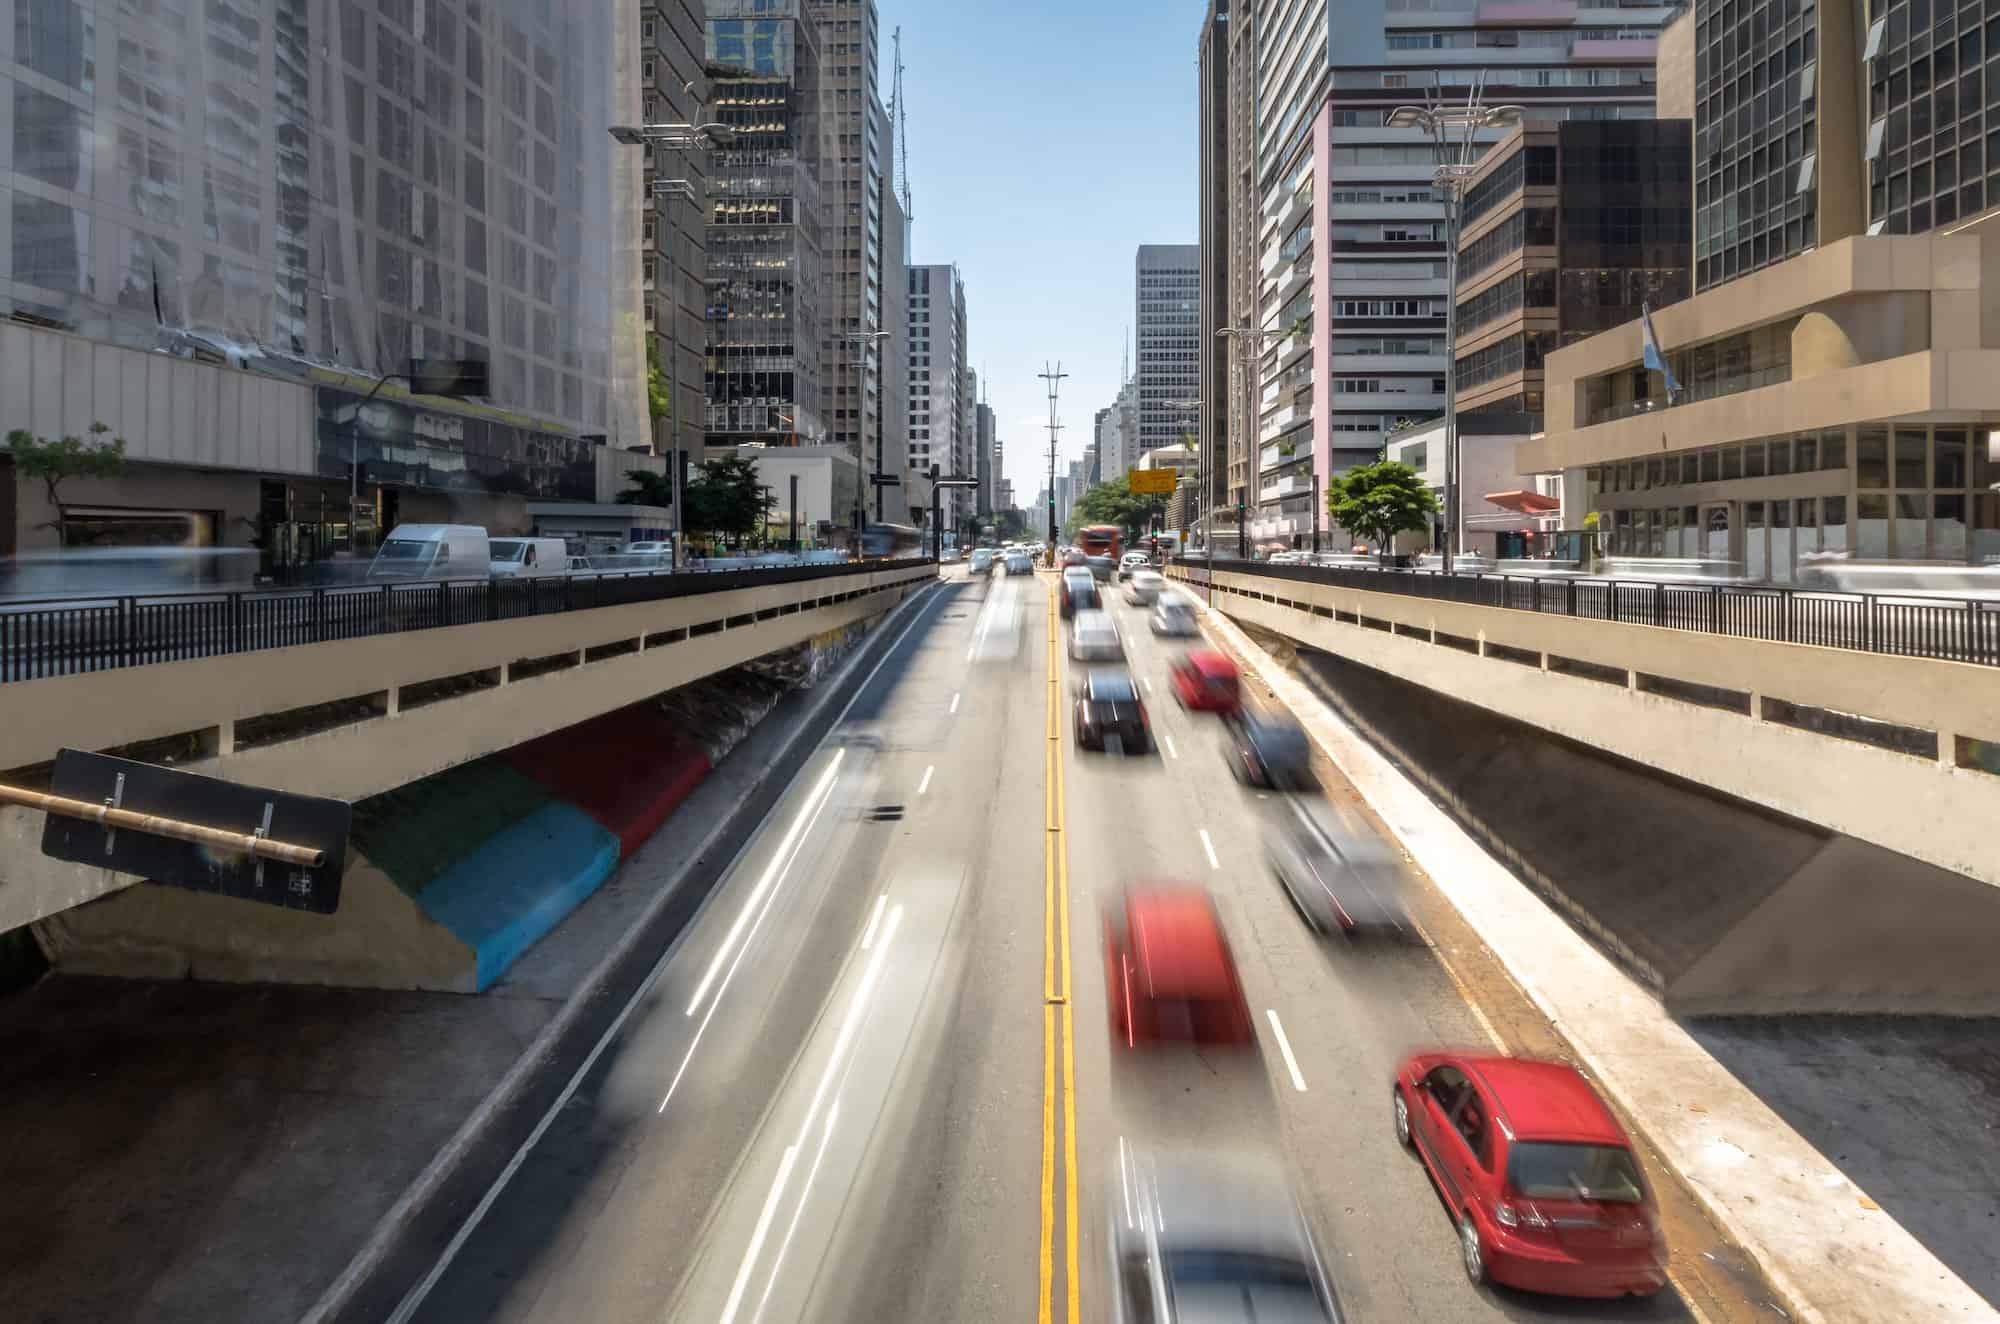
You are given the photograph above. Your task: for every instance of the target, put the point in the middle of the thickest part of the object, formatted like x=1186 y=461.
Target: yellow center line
x=1056 y=960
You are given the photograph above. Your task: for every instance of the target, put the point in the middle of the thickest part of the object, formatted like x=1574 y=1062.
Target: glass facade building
x=1933 y=136
x=1167 y=284
x=345 y=184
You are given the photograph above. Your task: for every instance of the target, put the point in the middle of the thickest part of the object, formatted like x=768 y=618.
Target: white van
x=433 y=551
x=530 y=558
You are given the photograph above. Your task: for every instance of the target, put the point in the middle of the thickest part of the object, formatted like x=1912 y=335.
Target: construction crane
x=899 y=118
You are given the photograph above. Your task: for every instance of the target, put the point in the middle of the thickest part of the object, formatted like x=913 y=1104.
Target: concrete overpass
x=1749 y=824
x=355 y=717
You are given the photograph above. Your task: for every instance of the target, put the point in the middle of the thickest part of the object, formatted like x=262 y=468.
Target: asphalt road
x=873 y=1082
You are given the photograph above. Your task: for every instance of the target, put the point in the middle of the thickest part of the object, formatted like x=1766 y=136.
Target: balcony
x=1293 y=279
x=1293 y=210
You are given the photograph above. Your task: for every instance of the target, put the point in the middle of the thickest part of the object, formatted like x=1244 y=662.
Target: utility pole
x=1053 y=375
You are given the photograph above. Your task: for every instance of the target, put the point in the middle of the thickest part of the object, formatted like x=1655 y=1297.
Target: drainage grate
x=885 y=814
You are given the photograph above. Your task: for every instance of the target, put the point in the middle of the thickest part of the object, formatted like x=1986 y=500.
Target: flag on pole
x=1655 y=360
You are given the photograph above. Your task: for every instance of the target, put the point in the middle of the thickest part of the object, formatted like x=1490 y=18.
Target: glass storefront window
x=1912 y=461
x=1833 y=524
x=1806 y=509
x=1753 y=539
x=1656 y=473
x=1753 y=460
x=1781 y=541
x=1690 y=469
x=1808 y=453
x=1781 y=456
x=1986 y=528
x=1948 y=460
x=1711 y=466
x=1832 y=451
x=1871 y=459
x=1732 y=462
x=1948 y=526
x=1871 y=527
x=1656 y=532
x=1911 y=541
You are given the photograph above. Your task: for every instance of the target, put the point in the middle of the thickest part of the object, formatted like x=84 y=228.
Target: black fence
x=64 y=636
x=1950 y=629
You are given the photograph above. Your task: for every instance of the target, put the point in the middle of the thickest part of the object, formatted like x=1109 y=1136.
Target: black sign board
x=299 y=820
x=448 y=377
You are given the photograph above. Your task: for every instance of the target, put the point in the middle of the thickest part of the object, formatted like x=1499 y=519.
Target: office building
x=1243 y=252
x=766 y=281
x=1212 y=388
x=1834 y=403
x=939 y=378
x=890 y=446
x=267 y=207
x=674 y=90
x=1167 y=286
x=987 y=446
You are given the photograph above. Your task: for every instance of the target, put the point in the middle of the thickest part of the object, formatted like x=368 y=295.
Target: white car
x=982 y=561
x=1093 y=637
x=1173 y=617
x=1132 y=562
x=1142 y=587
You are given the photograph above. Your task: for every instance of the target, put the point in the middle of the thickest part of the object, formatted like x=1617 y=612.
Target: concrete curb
x=1824 y=1247
x=340 y=1294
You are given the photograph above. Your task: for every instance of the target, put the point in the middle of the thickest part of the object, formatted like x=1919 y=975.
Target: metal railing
x=63 y=636
x=1947 y=629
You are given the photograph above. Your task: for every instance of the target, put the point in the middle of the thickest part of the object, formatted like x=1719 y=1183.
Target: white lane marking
x=868 y=938
x=1209 y=846
x=925 y=784
x=1285 y=1047
x=798 y=1211
x=763 y=1230
x=954 y=703
x=780 y=865
x=1172 y=753
x=1149 y=684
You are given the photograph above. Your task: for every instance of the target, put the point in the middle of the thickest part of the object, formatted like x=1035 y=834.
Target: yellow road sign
x=1152 y=482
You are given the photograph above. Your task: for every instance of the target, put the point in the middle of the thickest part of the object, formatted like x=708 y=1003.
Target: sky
x=1048 y=139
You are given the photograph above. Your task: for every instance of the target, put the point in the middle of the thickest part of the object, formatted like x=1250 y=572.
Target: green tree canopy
x=659 y=391
x=1378 y=501
x=727 y=499
x=54 y=461
x=647 y=488
x=1115 y=502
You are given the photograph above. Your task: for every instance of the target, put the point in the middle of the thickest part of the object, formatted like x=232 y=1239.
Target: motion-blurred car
x=1169 y=972
x=1214 y=1236
x=1538 y=1174
x=1206 y=681
x=1073 y=556
x=1269 y=749
x=1108 y=705
x=1093 y=637
x=1339 y=874
x=1173 y=617
x=982 y=561
x=1019 y=563
x=1101 y=568
x=1143 y=586
x=1077 y=591
x=1132 y=561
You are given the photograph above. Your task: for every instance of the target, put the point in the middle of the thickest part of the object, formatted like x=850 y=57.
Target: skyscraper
x=766 y=226
x=674 y=228
x=939 y=377
x=1166 y=296
x=1213 y=386
x=989 y=457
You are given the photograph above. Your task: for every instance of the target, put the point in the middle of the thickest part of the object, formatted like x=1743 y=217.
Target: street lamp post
x=1454 y=133
x=1053 y=375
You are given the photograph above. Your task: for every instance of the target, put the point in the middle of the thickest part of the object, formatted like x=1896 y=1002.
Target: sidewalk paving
x=1825 y=1245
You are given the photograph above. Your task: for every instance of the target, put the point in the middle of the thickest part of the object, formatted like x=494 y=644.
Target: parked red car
x=1169 y=972
x=1207 y=681
x=1539 y=1175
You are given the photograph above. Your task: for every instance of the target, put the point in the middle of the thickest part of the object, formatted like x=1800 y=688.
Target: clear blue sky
x=1047 y=139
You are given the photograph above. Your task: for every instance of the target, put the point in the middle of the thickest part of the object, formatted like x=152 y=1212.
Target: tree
x=647 y=489
x=1379 y=501
x=56 y=461
x=659 y=391
x=1115 y=502
x=727 y=500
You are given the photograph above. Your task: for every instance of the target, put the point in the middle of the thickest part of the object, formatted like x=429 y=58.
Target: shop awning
x=1525 y=502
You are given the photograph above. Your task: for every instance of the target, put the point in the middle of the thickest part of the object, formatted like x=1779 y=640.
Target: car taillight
x=1510 y=1210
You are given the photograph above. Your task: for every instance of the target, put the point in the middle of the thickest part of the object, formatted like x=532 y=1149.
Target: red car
x=1539 y=1175
x=1169 y=971
x=1207 y=681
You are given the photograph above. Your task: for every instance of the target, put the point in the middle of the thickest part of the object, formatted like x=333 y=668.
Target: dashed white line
x=1285 y=1047
x=925 y=784
x=1209 y=846
x=954 y=703
x=1149 y=684
x=874 y=921
x=1168 y=740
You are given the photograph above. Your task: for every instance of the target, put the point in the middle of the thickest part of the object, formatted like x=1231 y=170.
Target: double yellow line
x=1056 y=999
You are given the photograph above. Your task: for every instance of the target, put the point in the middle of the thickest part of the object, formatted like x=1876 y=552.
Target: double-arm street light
x=862 y=342
x=1454 y=132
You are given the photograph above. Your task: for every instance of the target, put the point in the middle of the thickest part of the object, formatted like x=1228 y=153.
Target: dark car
x=1102 y=568
x=1108 y=704
x=1077 y=591
x=1269 y=749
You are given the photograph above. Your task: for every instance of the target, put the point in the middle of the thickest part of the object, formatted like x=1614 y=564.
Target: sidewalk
x=1823 y=1243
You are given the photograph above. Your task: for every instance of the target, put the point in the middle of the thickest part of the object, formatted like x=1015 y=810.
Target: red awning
x=1525 y=502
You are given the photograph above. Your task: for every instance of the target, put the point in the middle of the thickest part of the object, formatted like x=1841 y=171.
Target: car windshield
x=1241 y=1285
x=508 y=549
x=1544 y=1170
x=404 y=549
x=1114 y=688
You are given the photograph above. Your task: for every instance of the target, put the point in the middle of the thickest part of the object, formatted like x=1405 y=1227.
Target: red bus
x=1099 y=540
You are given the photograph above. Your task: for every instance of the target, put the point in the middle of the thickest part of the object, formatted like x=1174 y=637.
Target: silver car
x=1093 y=637
x=1211 y=1237
x=1142 y=586
x=1173 y=617
x=1340 y=874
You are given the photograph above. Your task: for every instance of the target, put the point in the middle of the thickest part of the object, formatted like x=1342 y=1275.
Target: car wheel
x=1402 y=1120
x=1470 y=1252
